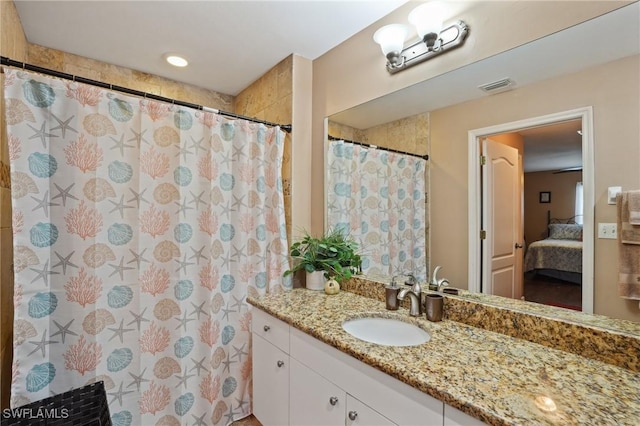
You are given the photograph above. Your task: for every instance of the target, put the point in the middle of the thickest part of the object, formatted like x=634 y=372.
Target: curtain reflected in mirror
x=377 y=196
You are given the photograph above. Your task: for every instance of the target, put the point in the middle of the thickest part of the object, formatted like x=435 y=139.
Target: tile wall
x=410 y=134
x=13 y=44
x=270 y=98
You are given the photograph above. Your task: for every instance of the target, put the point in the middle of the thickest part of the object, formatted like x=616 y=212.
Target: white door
x=501 y=219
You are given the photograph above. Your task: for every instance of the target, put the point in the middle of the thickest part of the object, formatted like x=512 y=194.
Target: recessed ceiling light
x=176 y=60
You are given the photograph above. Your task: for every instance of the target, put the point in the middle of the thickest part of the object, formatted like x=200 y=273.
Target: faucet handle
x=442 y=283
x=412 y=280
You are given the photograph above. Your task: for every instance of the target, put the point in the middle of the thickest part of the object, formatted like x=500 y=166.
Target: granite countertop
x=488 y=375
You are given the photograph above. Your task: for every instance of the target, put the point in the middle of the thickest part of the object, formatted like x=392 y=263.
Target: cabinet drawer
x=271 y=329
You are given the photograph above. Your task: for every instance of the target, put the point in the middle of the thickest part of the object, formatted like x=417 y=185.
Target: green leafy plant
x=333 y=252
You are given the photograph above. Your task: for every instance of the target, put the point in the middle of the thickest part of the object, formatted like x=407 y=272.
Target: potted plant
x=333 y=255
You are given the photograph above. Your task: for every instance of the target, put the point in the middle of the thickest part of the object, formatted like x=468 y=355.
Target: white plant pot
x=315 y=280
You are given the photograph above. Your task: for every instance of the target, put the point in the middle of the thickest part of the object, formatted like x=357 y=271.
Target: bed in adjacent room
x=559 y=255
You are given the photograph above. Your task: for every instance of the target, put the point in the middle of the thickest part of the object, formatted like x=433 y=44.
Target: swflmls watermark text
x=35 y=413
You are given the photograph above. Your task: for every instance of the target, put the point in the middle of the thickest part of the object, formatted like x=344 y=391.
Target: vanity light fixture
x=176 y=60
x=434 y=39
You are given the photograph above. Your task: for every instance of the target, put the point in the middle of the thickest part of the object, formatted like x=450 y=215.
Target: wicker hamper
x=85 y=406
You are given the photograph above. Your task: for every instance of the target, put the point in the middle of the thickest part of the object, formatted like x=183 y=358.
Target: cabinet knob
x=280 y=363
x=333 y=400
x=266 y=328
x=353 y=415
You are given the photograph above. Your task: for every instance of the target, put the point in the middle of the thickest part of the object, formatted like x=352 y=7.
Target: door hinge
x=483 y=160
x=483 y=235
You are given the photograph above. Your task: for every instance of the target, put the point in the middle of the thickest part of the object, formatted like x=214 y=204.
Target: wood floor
x=551 y=291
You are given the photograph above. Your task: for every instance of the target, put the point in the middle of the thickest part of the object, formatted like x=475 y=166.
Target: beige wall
x=301 y=149
x=514 y=140
x=563 y=200
x=616 y=108
x=353 y=73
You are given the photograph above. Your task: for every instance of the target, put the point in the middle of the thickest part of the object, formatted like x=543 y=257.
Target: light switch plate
x=612 y=192
x=608 y=230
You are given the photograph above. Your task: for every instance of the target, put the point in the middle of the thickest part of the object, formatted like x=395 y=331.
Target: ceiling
x=554 y=147
x=229 y=44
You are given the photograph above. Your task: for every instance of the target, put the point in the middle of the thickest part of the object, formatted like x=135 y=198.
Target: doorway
x=584 y=115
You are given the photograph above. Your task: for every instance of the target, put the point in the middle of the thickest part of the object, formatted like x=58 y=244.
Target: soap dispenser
x=391 y=295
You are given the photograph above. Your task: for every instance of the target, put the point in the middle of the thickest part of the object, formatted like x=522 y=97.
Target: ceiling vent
x=497 y=86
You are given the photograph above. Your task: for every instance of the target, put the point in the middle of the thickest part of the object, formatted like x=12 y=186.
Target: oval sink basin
x=386 y=331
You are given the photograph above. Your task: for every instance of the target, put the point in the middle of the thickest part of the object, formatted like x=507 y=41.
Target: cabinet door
x=270 y=383
x=359 y=413
x=314 y=400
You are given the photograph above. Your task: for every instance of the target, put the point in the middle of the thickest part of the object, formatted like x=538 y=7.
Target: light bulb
x=391 y=38
x=427 y=18
x=176 y=60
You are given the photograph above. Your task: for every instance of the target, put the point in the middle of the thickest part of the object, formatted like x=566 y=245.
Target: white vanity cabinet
x=298 y=380
x=271 y=369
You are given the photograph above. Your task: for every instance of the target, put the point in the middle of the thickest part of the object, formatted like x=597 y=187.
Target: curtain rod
x=333 y=138
x=25 y=66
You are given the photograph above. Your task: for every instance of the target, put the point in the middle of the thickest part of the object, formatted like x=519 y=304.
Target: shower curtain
x=378 y=197
x=139 y=229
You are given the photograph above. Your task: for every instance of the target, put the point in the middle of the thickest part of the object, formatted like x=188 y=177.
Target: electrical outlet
x=608 y=230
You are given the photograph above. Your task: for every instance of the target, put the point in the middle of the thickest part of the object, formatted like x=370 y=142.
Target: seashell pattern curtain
x=378 y=198
x=139 y=230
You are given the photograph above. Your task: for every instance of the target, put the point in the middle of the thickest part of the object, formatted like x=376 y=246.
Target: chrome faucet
x=437 y=284
x=414 y=294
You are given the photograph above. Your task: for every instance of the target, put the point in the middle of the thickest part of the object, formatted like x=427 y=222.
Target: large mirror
x=551 y=153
